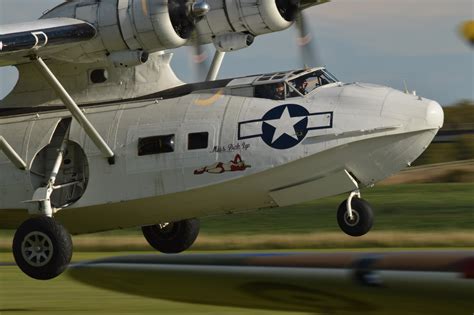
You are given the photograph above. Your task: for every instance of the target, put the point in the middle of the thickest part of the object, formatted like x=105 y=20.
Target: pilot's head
x=301 y=85
x=280 y=87
x=280 y=90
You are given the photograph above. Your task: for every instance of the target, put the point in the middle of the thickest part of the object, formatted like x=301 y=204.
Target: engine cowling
x=134 y=25
x=148 y=25
x=155 y=25
x=256 y=17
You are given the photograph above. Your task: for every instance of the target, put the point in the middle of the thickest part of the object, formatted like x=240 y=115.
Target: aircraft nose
x=434 y=115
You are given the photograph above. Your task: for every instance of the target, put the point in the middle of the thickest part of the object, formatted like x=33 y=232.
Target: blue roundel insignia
x=284 y=126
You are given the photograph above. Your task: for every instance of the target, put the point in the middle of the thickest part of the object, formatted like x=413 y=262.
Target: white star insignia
x=285 y=125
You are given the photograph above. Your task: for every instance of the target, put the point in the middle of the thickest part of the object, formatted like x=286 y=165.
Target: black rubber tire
x=61 y=247
x=178 y=238
x=363 y=212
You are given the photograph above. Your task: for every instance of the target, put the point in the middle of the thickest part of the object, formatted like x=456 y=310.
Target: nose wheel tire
x=42 y=248
x=174 y=237
x=362 y=217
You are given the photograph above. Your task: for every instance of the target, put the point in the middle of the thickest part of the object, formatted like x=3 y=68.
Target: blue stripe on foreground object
x=334 y=283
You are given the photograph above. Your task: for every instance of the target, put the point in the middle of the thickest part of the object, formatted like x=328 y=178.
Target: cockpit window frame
x=291 y=87
x=261 y=84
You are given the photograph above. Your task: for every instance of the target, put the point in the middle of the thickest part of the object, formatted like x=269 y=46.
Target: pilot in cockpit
x=279 y=91
x=299 y=85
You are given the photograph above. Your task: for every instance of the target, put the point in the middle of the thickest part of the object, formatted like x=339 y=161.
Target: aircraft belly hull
x=255 y=191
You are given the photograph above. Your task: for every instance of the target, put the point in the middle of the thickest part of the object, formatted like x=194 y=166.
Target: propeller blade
x=200 y=57
x=306 y=43
x=305 y=4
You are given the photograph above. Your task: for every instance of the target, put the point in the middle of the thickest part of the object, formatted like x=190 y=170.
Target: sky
x=377 y=41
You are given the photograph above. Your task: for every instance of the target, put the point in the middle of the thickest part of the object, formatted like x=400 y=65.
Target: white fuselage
x=260 y=153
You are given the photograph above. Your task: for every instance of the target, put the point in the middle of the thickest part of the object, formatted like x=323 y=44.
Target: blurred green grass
x=413 y=207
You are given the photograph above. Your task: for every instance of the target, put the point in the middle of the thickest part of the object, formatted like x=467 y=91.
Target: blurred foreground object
x=467 y=31
x=329 y=283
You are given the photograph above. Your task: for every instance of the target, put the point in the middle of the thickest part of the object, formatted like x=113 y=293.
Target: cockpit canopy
x=282 y=85
x=275 y=86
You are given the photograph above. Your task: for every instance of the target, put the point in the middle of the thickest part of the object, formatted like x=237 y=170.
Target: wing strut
x=215 y=66
x=75 y=110
x=11 y=154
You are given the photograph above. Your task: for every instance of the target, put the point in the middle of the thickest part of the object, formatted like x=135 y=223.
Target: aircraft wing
x=18 y=42
x=324 y=283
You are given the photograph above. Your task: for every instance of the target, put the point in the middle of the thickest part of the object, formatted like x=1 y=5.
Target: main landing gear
x=173 y=237
x=354 y=215
x=42 y=248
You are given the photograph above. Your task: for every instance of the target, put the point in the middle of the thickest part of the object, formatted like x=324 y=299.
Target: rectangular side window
x=155 y=145
x=198 y=140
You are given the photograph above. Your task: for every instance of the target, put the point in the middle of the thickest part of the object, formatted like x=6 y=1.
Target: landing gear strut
x=174 y=237
x=42 y=247
x=355 y=216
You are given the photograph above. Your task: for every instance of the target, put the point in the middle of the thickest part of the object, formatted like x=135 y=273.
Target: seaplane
x=100 y=134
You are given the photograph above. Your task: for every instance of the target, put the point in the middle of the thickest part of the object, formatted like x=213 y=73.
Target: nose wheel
x=354 y=216
x=42 y=248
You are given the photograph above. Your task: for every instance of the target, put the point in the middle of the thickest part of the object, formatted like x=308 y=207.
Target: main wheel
x=362 y=220
x=42 y=248
x=174 y=237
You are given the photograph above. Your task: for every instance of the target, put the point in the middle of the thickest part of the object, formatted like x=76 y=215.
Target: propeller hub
x=200 y=8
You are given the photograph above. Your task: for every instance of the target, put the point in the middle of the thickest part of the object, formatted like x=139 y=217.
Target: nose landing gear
x=354 y=215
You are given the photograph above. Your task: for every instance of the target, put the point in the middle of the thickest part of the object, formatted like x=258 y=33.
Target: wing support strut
x=215 y=66
x=75 y=110
x=11 y=154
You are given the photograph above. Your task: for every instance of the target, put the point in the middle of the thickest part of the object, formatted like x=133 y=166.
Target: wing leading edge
x=18 y=42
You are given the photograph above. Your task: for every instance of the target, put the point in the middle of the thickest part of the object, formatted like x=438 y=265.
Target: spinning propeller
x=185 y=15
x=292 y=10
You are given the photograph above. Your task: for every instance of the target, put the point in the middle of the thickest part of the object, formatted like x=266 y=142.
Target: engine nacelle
x=233 y=41
x=256 y=17
x=146 y=25
x=155 y=25
x=133 y=25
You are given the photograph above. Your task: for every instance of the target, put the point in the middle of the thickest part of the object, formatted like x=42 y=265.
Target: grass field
x=415 y=207
x=414 y=215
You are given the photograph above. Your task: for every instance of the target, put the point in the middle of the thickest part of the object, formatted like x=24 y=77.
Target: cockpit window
x=274 y=91
x=279 y=85
x=311 y=81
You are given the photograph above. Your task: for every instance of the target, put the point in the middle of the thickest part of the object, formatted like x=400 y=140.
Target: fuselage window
x=155 y=145
x=198 y=140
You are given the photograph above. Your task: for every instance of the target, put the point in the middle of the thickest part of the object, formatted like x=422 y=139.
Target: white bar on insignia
x=319 y=121
x=250 y=129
